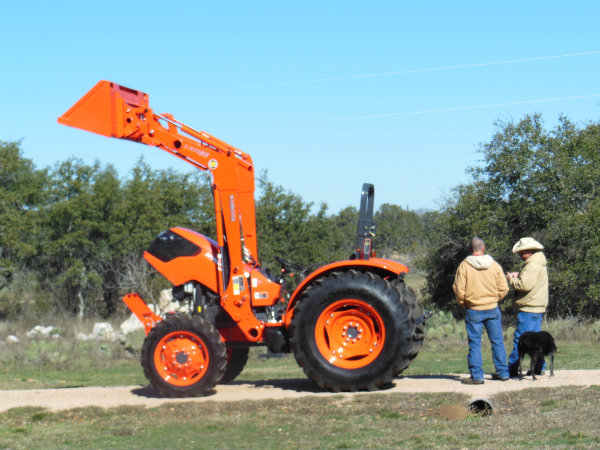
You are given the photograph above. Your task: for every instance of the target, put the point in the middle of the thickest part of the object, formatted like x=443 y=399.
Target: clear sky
x=324 y=95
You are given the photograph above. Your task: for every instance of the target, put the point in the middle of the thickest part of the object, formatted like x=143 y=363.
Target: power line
x=432 y=69
x=456 y=108
x=409 y=71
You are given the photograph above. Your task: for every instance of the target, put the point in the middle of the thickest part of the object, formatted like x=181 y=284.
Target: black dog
x=536 y=344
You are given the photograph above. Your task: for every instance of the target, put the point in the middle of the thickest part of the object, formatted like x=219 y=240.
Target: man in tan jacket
x=479 y=285
x=531 y=286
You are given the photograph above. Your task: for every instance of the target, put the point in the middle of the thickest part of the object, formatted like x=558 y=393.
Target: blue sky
x=324 y=95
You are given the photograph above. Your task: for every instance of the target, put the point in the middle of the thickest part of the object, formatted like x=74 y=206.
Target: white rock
x=165 y=299
x=102 y=329
x=82 y=337
x=39 y=330
x=169 y=307
x=184 y=308
x=12 y=339
x=131 y=324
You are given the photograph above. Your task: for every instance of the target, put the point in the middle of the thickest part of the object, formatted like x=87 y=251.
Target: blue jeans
x=526 y=321
x=491 y=319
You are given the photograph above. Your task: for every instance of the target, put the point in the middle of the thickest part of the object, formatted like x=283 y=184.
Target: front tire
x=352 y=331
x=183 y=357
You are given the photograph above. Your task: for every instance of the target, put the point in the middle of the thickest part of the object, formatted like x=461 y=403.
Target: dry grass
x=537 y=418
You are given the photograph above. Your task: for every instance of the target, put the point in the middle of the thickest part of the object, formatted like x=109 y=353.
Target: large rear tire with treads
x=416 y=312
x=352 y=331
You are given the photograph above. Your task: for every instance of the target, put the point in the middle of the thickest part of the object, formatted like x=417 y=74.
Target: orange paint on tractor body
x=222 y=278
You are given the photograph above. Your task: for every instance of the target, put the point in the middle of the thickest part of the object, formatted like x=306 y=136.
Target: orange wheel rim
x=350 y=334
x=181 y=358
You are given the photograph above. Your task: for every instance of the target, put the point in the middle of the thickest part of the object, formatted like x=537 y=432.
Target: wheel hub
x=181 y=358
x=350 y=334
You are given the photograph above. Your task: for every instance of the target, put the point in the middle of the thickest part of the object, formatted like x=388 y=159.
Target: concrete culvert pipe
x=481 y=407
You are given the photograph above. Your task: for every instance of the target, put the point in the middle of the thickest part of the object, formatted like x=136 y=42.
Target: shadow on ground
x=291 y=384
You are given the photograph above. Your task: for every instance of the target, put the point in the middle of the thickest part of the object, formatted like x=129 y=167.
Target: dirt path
x=108 y=397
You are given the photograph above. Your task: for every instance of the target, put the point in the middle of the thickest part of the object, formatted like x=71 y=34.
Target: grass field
x=535 y=418
x=436 y=357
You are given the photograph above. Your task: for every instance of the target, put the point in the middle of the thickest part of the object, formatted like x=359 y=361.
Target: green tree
x=95 y=229
x=342 y=238
x=75 y=221
x=532 y=182
x=399 y=231
x=283 y=226
x=154 y=201
x=21 y=193
x=78 y=231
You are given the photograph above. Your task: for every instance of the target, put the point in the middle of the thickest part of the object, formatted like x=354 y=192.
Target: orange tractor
x=352 y=324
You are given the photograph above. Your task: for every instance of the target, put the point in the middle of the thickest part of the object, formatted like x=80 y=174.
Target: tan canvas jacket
x=479 y=283
x=531 y=285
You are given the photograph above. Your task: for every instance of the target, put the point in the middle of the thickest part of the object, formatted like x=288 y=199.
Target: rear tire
x=416 y=312
x=236 y=361
x=352 y=331
x=183 y=357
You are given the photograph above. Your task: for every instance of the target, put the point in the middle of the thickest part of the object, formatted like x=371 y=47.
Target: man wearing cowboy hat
x=531 y=286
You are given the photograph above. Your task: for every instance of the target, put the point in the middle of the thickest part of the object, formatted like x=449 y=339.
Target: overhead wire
x=424 y=70
x=456 y=108
x=406 y=72
x=429 y=69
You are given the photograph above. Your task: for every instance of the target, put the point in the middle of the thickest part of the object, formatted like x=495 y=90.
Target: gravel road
x=108 y=397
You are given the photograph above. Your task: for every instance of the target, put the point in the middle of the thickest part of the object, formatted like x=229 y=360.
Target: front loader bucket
x=103 y=109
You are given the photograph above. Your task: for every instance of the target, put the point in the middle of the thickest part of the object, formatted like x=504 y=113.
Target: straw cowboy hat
x=527 y=243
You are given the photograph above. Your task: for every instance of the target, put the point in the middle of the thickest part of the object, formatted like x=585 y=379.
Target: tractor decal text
x=232 y=207
x=197 y=150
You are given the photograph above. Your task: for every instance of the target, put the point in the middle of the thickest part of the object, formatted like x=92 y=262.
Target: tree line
x=72 y=235
x=536 y=182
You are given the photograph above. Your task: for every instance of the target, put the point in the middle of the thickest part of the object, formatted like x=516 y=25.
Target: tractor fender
x=382 y=267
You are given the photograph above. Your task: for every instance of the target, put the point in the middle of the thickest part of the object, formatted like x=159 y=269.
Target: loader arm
x=115 y=111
